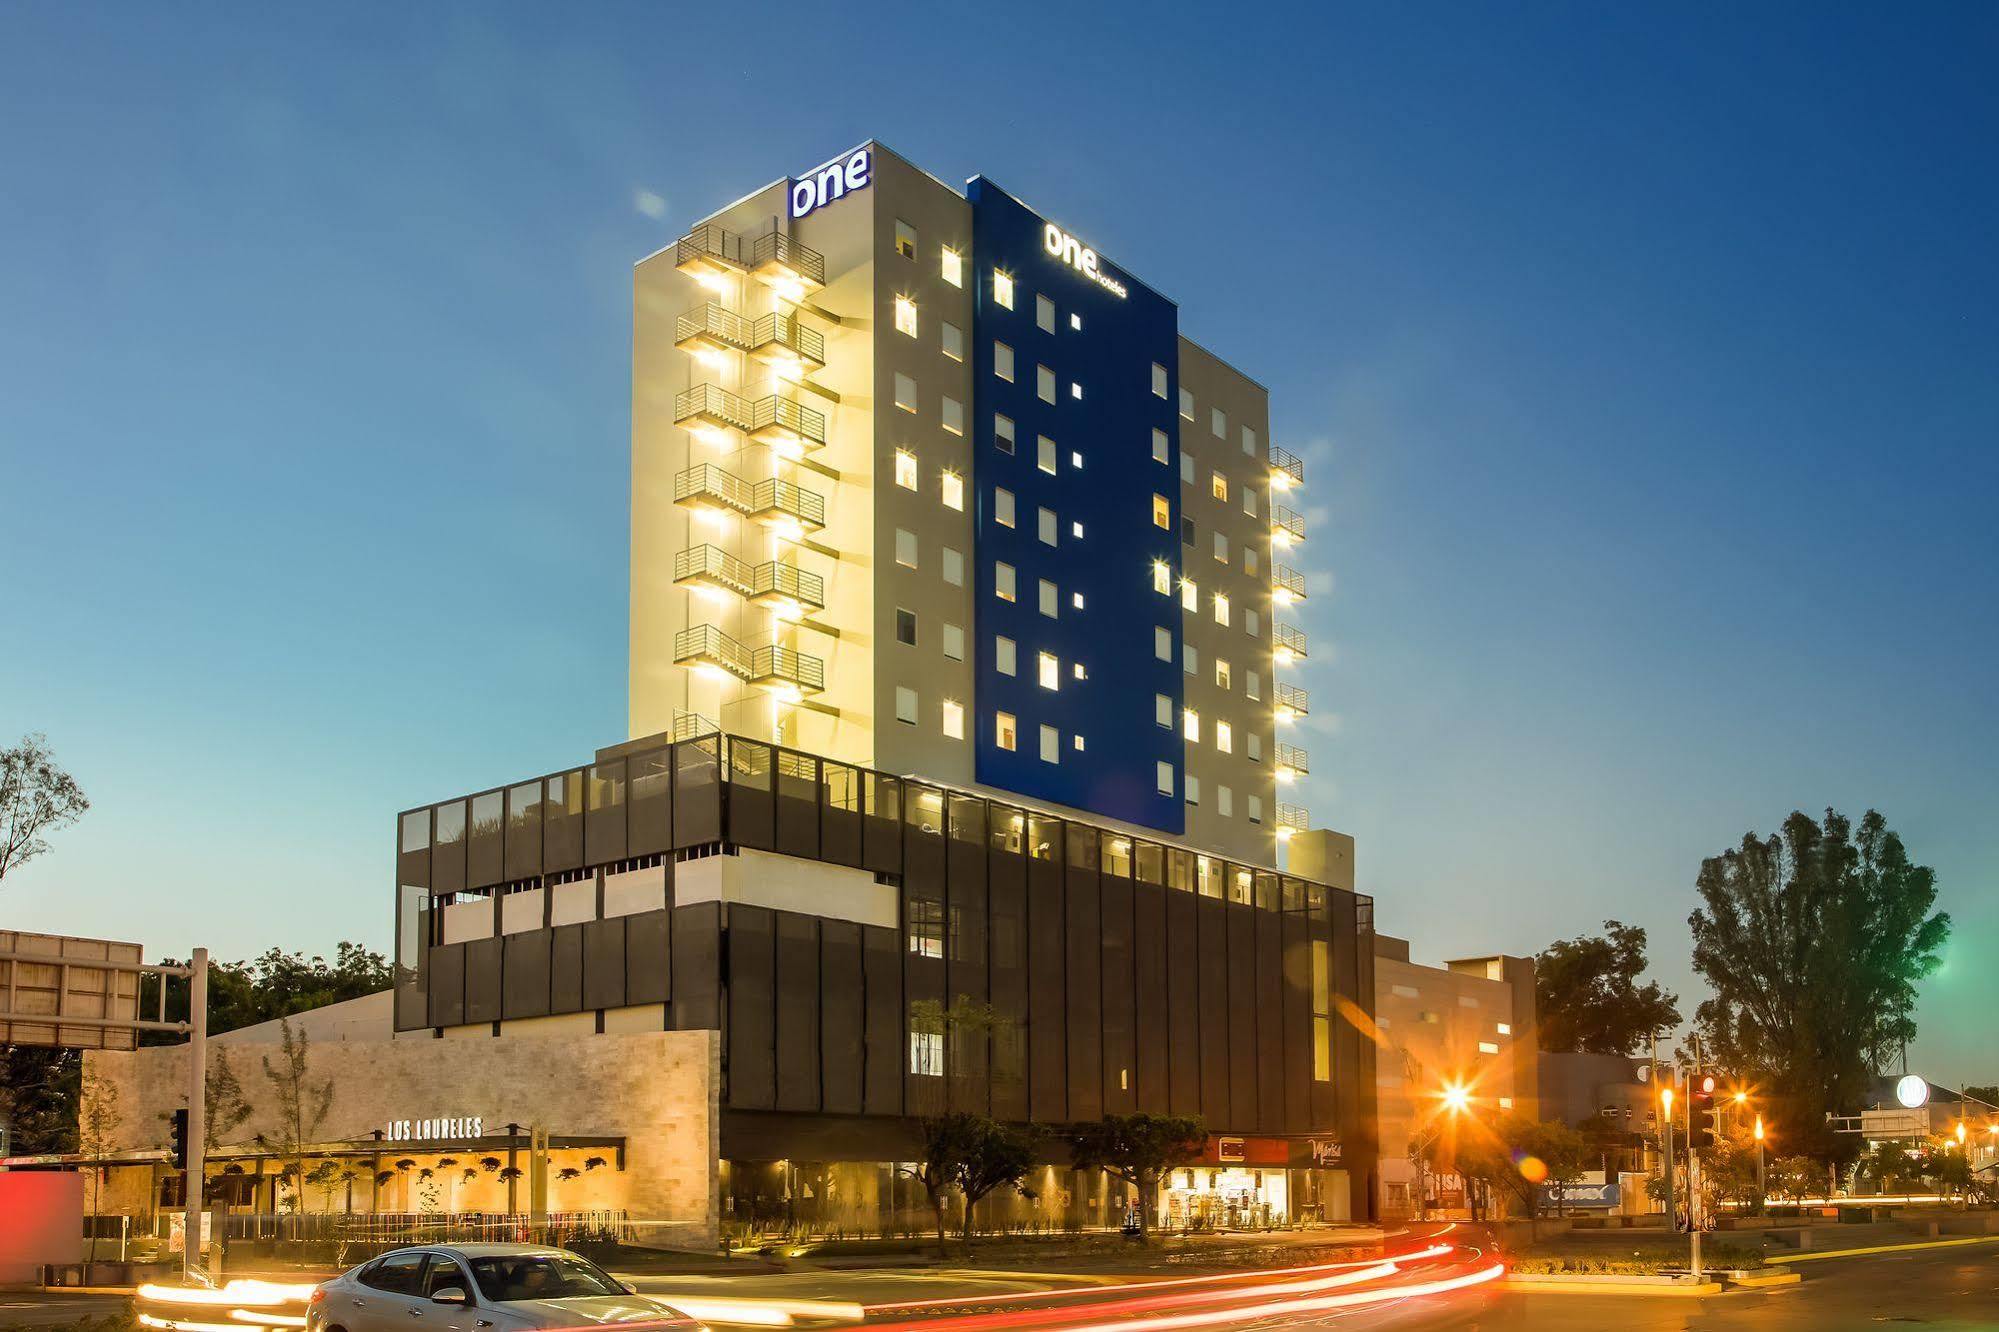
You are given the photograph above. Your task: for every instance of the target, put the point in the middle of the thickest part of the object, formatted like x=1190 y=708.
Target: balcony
x=714 y=568
x=1287 y=469
x=780 y=261
x=781 y=670
x=710 y=251
x=1286 y=585
x=1291 y=762
x=712 y=652
x=787 y=589
x=1291 y=702
x=711 y=327
x=1286 y=526
x=1292 y=819
x=1288 y=644
x=691 y=725
x=787 y=672
x=787 y=426
x=776 y=503
x=781 y=340
x=706 y=409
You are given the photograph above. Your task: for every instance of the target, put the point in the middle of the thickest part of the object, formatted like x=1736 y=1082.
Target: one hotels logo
x=836 y=179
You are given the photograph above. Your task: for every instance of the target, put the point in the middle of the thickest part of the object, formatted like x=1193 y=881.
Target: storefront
x=1252 y=1183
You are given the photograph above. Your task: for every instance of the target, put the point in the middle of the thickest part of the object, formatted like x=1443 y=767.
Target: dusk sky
x=1645 y=363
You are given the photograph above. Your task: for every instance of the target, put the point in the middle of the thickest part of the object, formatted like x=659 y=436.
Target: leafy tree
x=1587 y=996
x=1140 y=1149
x=1498 y=1159
x=1988 y=1094
x=999 y=1156
x=1795 y=1177
x=279 y=984
x=1813 y=941
x=302 y=1104
x=948 y=1142
x=36 y=798
x=970 y=1029
x=38 y=1097
x=98 y=1117
x=224 y=1107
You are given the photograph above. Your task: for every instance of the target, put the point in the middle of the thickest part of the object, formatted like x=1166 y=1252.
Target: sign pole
x=197 y=1112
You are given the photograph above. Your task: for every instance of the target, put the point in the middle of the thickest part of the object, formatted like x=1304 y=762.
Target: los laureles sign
x=434 y=1130
x=835 y=180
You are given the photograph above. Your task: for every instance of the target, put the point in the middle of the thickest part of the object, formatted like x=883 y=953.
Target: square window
x=905 y=705
x=1076 y=459
x=954 y=719
x=1076 y=531
x=905 y=316
x=1158 y=380
x=954 y=341
x=1003 y=288
x=1218 y=423
x=905 y=626
x=1076 y=742
x=905 y=469
x=1162 y=710
x=1162 y=512
x=1079 y=670
x=1162 y=578
x=1162 y=451
x=1186 y=404
x=1003 y=730
x=1003 y=361
x=1218 y=486
x=1190 y=725
x=953 y=267
x=1224 y=801
x=1044 y=454
x=1050 y=599
x=1075 y=390
x=952 y=490
x=1193 y=789
x=1051 y=745
x=905 y=239
x=1003 y=581
x=954 y=567
x=1044 y=383
x=1003 y=433
x=954 y=642
x=905 y=548
x=1163 y=776
x=1162 y=643
x=1003 y=506
x=1221 y=674
x=1045 y=526
x=905 y=392
x=1044 y=313
x=1248 y=442
x=1004 y=655
x=1224 y=739
x=926 y=1048
x=1047 y=670
x=954 y=416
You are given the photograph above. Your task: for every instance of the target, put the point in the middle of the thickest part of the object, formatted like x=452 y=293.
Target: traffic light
x=1705 y=1114
x=177 y=1140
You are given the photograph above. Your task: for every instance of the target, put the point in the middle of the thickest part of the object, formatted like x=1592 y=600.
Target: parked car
x=484 y=1288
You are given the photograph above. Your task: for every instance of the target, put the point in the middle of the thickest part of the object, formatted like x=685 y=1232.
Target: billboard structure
x=60 y=990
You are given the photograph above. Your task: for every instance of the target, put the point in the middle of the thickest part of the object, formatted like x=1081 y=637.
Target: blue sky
x=1646 y=363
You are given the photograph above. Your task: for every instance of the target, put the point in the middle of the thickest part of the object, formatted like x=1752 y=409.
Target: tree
x=969 y=1029
x=278 y=984
x=1795 y=1177
x=36 y=798
x=224 y=1107
x=1140 y=1149
x=97 y=1120
x=1813 y=941
x=1000 y=1156
x=1587 y=996
x=38 y=1097
x=302 y=1104
x=1517 y=1156
x=948 y=1142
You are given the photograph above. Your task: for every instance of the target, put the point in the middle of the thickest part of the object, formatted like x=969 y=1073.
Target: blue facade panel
x=1112 y=634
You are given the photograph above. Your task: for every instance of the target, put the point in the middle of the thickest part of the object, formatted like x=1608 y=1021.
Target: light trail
x=1280 y=1308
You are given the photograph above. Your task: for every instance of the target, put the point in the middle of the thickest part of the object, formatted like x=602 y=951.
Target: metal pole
x=197 y=1111
x=1694 y=1165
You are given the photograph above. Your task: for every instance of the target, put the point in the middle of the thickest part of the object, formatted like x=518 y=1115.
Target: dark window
x=444 y=1273
x=905 y=626
x=540 y=1277
x=1186 y=530
x=399 y=1273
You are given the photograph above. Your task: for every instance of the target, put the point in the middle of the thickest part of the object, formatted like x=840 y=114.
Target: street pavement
x=53 y=1308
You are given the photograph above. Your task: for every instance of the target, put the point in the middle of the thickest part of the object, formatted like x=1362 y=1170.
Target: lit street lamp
x=1759 y=1156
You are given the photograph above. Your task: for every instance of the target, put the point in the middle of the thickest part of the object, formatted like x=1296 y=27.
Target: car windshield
x=540 y=1276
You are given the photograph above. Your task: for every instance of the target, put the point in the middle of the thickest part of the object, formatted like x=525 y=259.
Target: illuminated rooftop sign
x=836 y=179
x=1078 y=256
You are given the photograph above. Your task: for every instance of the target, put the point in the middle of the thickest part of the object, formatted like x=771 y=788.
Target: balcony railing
x=1291 y=701
x=1292 y=761
x=711 y=249
x=711 y=566
x=779 y=502
x=782 y=585
x=787 y=425
x=1286 y=585
x=1287 y=469
x=1288 y=641
x=774 y=502
x=714 y=407
x=689 y=725
x=786 y=670
x=712 y=327
x=1292 y=819
x=705 y=645
x=781 y=338
x=779 y=260
x=1286 y=525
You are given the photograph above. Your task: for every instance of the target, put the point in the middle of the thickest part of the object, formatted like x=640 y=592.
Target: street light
x=1457 y=1097
x=1759 y=1156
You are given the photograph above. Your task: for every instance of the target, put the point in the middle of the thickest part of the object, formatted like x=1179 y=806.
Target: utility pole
x=1665 y=1098
x=1694 y=1167
x=197 y=1112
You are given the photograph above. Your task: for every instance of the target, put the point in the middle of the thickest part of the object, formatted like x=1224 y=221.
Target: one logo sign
x=434 y=1130
x=1078 y=256
x=1230 y=1151
x=1327 y=1152
x=837 y=179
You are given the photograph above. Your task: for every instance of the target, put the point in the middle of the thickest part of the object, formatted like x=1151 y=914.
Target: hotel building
x=959 y=685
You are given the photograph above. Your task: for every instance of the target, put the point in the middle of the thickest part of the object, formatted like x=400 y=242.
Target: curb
x=1774 y=1276
x=1552 y=1283
x=1811 y=1256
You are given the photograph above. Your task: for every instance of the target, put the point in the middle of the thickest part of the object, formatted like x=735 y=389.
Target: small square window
x=905 y=626
x=905 y=548
x=954 y=416
x=1003 y=581
x=1193 y=789
x=1003 y=288
x=905 y=705
x=1163 y=776
x=1075 y=390
x=905 y=239
x=954 y=341
x=1004 y=654
x=1162 y=512
x=905 y=316
x=1076 y=600
x=1003 y=433
x=905 y=469
x=954 y=567
x=1076 y=323
x=1221 y=548
x=953 y=490
x=1162 y=710
x=1078 y=670
x=1076 y=459
x=1158 y=381
x=1003 y=361
x=1224 y=739
x=1076 y=531
x=953 y=267
x=1051 y=745
x=1045 y=526
x=1162 y=643
x=1186 y=404
x=1218 y=485
x=1076 y=742
x=1003 y=730
x=1221 y=674
x=1051 y=599
x=1224 y=801
x=1044 y=454
x=1162 y=578
x=905 y=392
x=954 y=719
x=1248 y=442
x=954 y=642
x=1218 y=423
x=1044 y=383
x=1044 y=313
x=1162 y=451
x=1003 y=506
x=1047 y=670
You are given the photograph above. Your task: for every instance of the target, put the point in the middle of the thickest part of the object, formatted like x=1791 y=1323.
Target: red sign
x=1232 y=1151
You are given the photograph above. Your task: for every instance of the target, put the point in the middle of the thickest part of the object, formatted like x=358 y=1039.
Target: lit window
x=1076 y=530
x=1003 y=288
x=1162 y=512
x=1225 y=739
x=1045 y=526
x=1003 y=655
x=1506 y=1103
x=1051 y=745
x=1044 y=383
x=1186 y=404
x=954 y=341
x=905 y=704
x=1047 y=670
x=1488 y=1047
x=1221 y=548
x=1224 y=801
x=1249 y=560
x=1076 y=459
x=1190 y=725
x=1077 y=668
x=926 y=1048
x=1044 y=313
x=1504 y=1028
x=1050 y=599
x=954 y=719
x=954 y=416
x=905 y=316
x=1003 y=433
x=954 y=491
x=1162 y=710
x=1162 y=643
x=905 y=239
x=1158 y=381
x=1221 y=673
x=1003 y=361
x=1163 y=776
x=1162 y=578
x=1076 y=323
x=905 y=548
x=1003 y=506
x=954 y=567
x=1044 y=454
x=1218 y=423
x=954 y=642
x=1075 y=390
x=1249 y=501
x=1249 y=441
x=953 y=267
x=905 y=626
x=1193 y=789
x=905 y=392
x=1076 y=742
x=1190 y=595
x=1003 y=581
x=1221 y=609
x=905 y=469
x=1161 y=449
x=1255 y=809
x=1218 y=485
x=1003 y=730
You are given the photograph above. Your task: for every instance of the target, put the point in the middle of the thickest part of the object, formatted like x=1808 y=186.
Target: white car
x=484 y=1288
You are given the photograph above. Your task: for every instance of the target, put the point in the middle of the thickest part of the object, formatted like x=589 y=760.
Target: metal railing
x=794 y=667
x=1286 y=579
x=1288 y=521
x=1288 y=638
x=1293 y=757
x=704 y=642
x=776 y=249
x=691 y=725
x=712 y=246
x=775 y=577
x=714 y=403
x=1293 y=818
x=716 y=565
x=776 y=495
x=1286 y=463
x=789 y=417
x=717 y=322
x=783 y=330
x=707 y=481
x=1291 y=698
